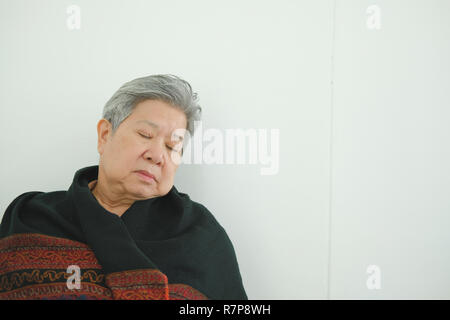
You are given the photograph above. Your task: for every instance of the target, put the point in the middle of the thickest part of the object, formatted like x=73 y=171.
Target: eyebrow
x=149 y=123
x=152 y=124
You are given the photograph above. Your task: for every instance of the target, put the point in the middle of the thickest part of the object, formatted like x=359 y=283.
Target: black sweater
x=168 y=247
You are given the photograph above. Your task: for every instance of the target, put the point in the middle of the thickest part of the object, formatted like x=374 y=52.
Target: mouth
x=146 y=175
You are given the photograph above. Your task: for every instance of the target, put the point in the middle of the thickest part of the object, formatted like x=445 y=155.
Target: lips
x=146 y=173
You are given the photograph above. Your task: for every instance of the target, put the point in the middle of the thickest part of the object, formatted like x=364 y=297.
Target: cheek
x=169 y=172
x=122 y=156
x=129 y=149
x=174 y=160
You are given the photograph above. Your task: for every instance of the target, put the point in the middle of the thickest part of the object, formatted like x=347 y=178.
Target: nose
x=155 y=153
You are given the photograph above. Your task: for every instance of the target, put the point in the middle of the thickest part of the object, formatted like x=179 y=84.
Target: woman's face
x=143 y=141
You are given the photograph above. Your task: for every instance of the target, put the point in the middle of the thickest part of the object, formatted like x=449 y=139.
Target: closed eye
x=144 y=136
x=147 y=137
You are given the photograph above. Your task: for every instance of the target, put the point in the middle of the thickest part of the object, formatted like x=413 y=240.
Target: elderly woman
x=122 y=230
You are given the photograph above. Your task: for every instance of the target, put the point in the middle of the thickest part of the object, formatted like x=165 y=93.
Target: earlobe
x=99 y=149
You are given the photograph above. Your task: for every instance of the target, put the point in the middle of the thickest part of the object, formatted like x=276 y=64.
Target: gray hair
x=164 y=87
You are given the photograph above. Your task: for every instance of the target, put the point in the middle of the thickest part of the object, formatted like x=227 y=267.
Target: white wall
x=363 y=153
x=391 y=151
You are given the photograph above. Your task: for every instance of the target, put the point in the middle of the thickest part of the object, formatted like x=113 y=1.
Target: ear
x=104 y=129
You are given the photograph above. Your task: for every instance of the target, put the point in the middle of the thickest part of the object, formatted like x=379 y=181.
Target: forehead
x=158 y=114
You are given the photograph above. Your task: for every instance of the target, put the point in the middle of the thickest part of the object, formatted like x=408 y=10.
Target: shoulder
x=19 y=203
x=34 y=212
x=200 y=213
x=205 y=219
x=10 y=217
x=207 y=215
x=36 y=198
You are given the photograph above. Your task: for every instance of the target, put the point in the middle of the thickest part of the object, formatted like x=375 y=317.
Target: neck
x=116 y=206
